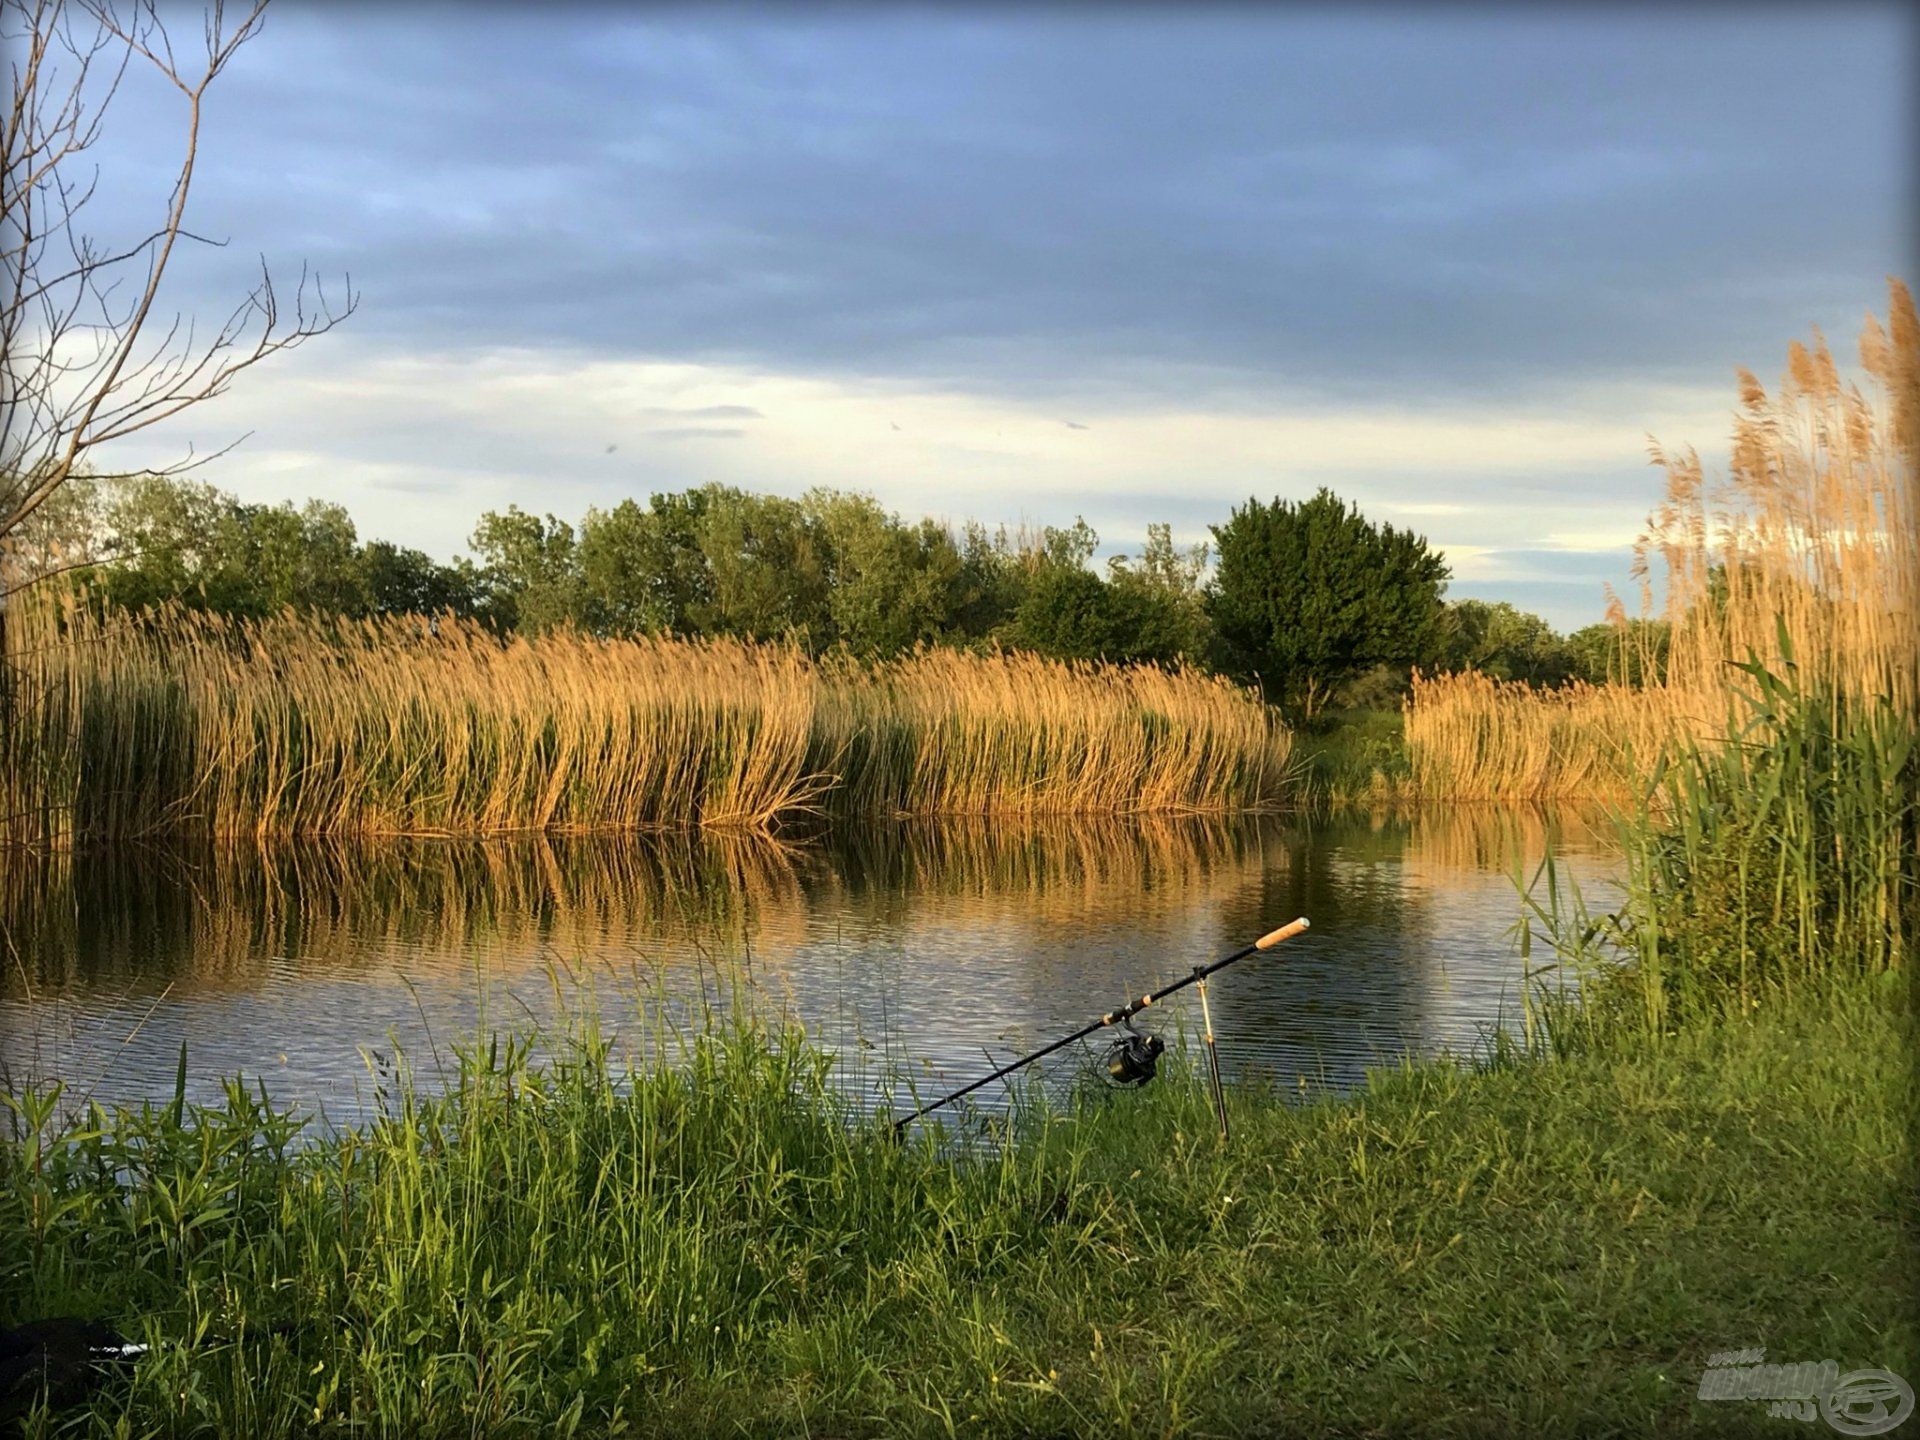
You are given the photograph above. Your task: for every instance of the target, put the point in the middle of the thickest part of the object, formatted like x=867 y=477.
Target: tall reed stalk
x=1765 y=863
x=1805 y=549
x=1784 y=854
x=180 y=722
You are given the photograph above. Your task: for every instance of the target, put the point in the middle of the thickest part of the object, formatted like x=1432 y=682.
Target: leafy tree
x=1157 y=608
x=643 y=569
x=992 y=581
x=1149 y=609
x=1066 y=613
x=531 y=567
x=1504 y=642
x=1072 y=545
x=305 y=557
x=1308 y=595
x=168 y=539
x=397 y=580
x=769 y=567
x=1632 y=654
x=889 y=585
x=64 y=533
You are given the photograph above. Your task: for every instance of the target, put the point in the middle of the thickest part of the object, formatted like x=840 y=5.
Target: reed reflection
x=916 y=947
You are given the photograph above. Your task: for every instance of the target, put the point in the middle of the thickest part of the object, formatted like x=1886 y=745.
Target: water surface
x=918 y=950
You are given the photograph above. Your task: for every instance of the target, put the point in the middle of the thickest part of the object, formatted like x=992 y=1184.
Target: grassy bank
x=186 y=723
x=1538 y=1248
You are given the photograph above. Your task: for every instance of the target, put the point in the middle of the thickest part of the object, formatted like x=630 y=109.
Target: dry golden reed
x=1805 y=550
x=181 y=722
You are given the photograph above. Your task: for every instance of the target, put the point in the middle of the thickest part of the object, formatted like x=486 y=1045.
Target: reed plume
x=1803 y=555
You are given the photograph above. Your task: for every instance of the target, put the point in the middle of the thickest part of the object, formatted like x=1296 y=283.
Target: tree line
x=1310 y=599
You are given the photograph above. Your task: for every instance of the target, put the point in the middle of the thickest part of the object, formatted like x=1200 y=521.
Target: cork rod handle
x=1285 y=932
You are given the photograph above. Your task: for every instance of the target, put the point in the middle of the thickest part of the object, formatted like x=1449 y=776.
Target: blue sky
x=1131 y=264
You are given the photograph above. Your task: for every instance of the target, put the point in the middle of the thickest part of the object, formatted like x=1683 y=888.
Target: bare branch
x=82 y=365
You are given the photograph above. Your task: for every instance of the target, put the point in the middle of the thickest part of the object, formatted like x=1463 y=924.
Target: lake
x=912 y=950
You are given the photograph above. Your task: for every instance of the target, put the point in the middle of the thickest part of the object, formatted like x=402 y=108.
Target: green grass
x=711 y=1247
x=1758 y=868
x=1354 y=757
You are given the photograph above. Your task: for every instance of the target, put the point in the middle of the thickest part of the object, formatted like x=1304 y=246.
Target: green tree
x=1507 y=643
x=1310 y=594
x=398 y=580
x=178 y=540
x=1156 y=603
x=992 y=581
x=769 y=567
x=889 y=585
x=644 y=568
x=1066 y=613
x=171 y=540
x=531 y=567
x=1634 y=653
x=305 y=558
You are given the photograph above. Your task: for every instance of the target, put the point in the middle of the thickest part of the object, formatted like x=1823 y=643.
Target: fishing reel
x=1133 y=1058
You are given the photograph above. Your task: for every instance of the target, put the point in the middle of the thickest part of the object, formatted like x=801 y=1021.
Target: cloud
x=697 y=432
x=1069 y=203
x=1454 y=266
x=704 y=412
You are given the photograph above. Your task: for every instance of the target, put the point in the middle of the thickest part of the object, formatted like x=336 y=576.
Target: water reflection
x=919 y=948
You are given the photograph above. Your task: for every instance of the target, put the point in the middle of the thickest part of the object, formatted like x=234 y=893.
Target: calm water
x=917 y=949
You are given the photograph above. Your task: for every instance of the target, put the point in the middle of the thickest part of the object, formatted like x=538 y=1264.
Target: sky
x=1018 y=264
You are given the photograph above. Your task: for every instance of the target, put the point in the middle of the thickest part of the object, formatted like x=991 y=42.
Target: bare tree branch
x=83 y=358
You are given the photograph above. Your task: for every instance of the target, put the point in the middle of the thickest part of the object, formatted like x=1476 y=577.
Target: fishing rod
x=1134 y=1055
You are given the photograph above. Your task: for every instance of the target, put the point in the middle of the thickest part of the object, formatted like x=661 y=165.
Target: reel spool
x=1133 y=1058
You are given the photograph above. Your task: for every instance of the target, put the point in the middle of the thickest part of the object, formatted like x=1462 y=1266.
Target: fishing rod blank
x=1120 y=1017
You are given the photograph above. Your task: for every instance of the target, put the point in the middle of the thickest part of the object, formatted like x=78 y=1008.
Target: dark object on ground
x=63 y=1358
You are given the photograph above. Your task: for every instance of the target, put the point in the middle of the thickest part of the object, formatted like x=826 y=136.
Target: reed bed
x=1803 y=555
x=1470 y=736
x=1762 y=867
x=944 y=732
x=178 y=722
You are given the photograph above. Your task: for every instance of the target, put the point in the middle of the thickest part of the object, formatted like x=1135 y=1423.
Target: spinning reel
x=1133 y=1057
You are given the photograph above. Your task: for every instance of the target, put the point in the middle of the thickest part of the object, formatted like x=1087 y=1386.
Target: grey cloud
x=1087 y=204
x=697 y=432
x=704 y=412
x=418 y=485
x=1092 y=210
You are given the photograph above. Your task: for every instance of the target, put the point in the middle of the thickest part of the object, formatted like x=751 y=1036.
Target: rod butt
x=1285 y=932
